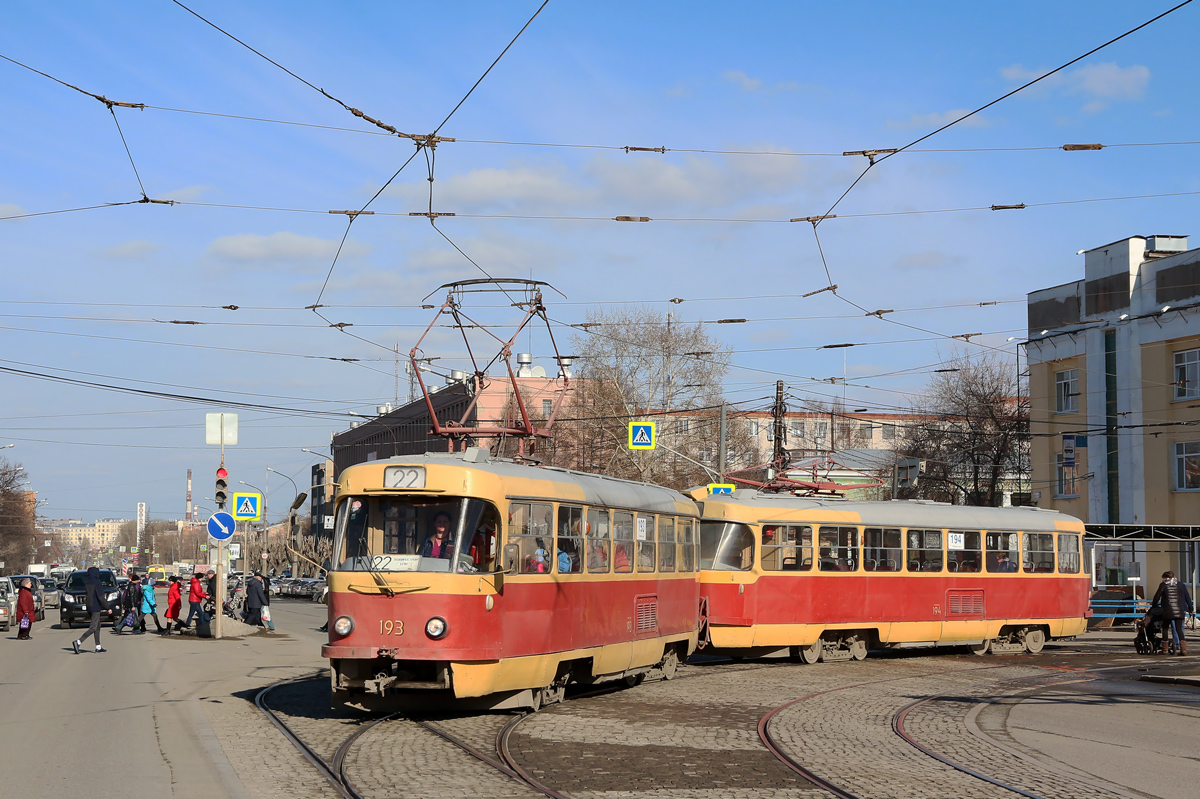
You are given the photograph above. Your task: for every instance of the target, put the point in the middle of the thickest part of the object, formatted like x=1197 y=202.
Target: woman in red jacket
x=26 y=610
x=174 y=605
x=196 y=595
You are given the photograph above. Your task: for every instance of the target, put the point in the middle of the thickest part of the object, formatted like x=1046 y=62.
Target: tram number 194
x=391 y=627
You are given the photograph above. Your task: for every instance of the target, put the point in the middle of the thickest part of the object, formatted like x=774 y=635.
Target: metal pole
x=220 y=609
x=723 y=452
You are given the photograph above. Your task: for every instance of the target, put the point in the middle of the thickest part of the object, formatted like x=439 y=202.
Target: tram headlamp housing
x=343 y=625
x=436 y=627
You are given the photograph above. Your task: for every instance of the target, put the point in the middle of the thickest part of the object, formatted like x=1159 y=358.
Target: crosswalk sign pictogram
x=247 y=507
x=641 y=435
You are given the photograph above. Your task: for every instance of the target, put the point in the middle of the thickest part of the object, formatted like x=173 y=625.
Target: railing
x=1129 y=609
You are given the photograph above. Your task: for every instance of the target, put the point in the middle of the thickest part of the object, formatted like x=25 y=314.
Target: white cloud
x=281 y=246
x=130 y=250
x=8 y=209
x=1101 y=83
x=753 y=85
x=938 y=119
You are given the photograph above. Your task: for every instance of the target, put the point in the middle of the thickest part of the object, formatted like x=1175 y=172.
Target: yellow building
x=1114 y=387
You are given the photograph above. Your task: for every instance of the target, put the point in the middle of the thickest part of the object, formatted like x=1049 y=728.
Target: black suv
x=73 y=603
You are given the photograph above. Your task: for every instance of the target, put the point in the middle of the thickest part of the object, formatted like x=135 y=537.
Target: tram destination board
x=404 y=477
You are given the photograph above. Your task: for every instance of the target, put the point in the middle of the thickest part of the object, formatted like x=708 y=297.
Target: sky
x=755 y=103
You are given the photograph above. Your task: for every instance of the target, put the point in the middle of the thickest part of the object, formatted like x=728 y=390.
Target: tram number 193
x=391 y=627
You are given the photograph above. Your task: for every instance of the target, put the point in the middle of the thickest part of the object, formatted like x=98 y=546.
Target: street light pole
x=291 y=513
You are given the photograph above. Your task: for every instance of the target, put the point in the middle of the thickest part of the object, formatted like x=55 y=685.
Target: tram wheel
x=1035 y=639
x=858 y=649
x=670 y=664
x=981 y=648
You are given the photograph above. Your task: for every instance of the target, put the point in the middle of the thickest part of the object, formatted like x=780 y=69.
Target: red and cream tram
x=827 y=579
x=460 y=575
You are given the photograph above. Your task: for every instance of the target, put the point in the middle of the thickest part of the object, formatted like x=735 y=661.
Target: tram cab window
x=623 y=554
x=1001 y=550
x=726 y=546
x=786 y=547
x=598 y=539
x=392 y=534
x=838 y=549
x=531 y=528
x=1039 y=552
x=645 y=542
x=924 y=550
x=882 y=549
x=963 y=551
x=687 y=546
x=666 y=544
x=568 y=559
x=1068 y=553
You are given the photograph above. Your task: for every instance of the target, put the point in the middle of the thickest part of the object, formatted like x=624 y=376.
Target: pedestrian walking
x=131 y=606
x=174 y=605
x=26 y=610
x=255 y=600
x=196 y=595
x=149 y=605
x=1172 y=596
x=266 y=612
x=95 y=604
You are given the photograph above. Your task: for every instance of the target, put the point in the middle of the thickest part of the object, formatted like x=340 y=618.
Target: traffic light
x=222 y=490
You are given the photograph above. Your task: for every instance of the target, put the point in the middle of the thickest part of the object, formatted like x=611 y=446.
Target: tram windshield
x=726 y=546
x=422 y=534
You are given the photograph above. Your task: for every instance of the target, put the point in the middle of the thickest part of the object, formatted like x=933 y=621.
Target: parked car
x=8 y=603
x=51 y=592
x=73 y=607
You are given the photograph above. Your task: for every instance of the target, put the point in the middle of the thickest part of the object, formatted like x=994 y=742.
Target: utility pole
x=778 y=457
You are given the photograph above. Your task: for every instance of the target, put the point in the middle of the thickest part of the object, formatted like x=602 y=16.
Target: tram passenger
x=438 y=544
x=483 y=544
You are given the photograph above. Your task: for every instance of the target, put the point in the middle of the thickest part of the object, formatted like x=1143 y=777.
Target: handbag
x=266 y=612
x=24 y=624
x=130 y=620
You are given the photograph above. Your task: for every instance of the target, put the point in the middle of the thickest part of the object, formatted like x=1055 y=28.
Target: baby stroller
x=1150 y=634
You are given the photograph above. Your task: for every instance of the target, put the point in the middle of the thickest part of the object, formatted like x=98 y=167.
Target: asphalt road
x=144 y=719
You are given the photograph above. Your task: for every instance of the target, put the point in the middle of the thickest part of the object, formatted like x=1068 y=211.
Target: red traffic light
x=221 y=473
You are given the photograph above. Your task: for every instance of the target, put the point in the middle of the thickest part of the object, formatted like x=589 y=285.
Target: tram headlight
x=343 y=625
x=436 y=627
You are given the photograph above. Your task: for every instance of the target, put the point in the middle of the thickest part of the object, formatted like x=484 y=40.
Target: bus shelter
x=1126 y=561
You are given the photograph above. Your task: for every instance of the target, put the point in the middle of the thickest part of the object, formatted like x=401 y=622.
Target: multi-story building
x=1114 y=384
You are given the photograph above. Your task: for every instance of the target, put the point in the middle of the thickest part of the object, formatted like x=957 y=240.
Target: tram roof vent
x=475 y=454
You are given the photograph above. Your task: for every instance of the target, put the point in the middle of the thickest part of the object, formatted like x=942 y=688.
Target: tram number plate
x=391 y=627
x=404 y=477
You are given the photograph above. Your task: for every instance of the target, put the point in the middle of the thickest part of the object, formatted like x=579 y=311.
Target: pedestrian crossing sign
x=247 y=507
x=641 y=435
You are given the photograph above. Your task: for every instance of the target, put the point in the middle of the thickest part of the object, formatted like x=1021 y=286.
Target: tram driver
x=438 y=544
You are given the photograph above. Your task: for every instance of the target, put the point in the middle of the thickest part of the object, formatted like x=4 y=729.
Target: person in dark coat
x=266 y=584
x=1172 y=596
x=255 y=599
x=95 y=604
x=131 y=606
x=26 y=610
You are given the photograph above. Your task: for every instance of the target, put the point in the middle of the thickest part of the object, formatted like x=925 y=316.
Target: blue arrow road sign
x=220 y=525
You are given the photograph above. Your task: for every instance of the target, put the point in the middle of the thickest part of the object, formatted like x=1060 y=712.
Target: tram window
x=598 y=537
x=531 y=529
x=838 y=549
x=1039 y=552
x=645 y=542
x=666 y=544
x=1002 y=553
x=786 y=547
x=963 y=551
x=622 y=542
x=924 y=550
x=687 y=546
x=570 y=540
x=1068 y=553
x=882 y=549
x=415 y=534
x=726 y=546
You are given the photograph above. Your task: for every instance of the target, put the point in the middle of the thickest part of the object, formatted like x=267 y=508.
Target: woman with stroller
x=1173 y=598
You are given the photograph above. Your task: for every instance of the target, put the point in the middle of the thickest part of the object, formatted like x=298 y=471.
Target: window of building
x=924 y=550
x=889 y=432
x=1064 y=478
x=787 y=547
x=798 y=429
x=597 y=540
x=963 y=550
x=753 y=425
x=570 y=540
x=1187 y=466
x=838 y=549
x=547 y=407
x=1039 y=552
x=1002 y=552
x=1066 y=391
x=864 y=430
x=881 y=550
x=820 y=430
x=682 y=425
x=1068 y=553
x=1187 y=374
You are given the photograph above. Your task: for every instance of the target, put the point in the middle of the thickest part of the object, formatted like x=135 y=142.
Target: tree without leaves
x=17 y=519
x=971 y=430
